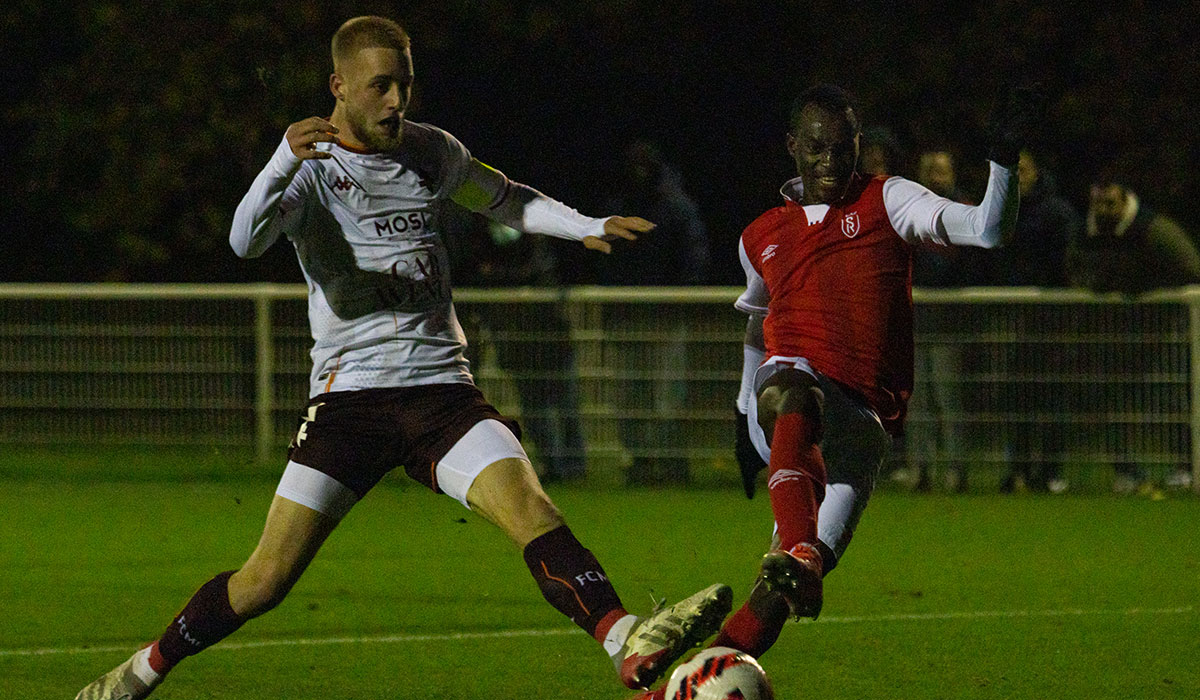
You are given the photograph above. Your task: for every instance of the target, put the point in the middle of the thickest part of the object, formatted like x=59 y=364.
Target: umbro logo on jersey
x=769 y=252
x=782 y=476
x=851 y=224
x=342 y=184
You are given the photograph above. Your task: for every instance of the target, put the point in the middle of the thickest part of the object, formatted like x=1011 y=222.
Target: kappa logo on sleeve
x=342 y=184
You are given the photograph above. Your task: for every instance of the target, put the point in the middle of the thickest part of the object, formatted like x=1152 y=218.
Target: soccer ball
x=719 y=673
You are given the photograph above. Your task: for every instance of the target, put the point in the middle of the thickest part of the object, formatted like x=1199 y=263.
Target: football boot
x=796 y=575
x=657 y=641
x=121 y=683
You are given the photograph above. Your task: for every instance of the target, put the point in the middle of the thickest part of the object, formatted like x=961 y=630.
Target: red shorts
x=357 y=437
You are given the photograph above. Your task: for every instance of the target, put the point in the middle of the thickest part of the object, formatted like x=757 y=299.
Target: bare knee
x=257 y=588
x=790 y=391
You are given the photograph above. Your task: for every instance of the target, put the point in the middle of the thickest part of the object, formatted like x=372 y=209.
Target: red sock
x=750 y=631
x=156 y=660
x=606 y=623
x=796 y=480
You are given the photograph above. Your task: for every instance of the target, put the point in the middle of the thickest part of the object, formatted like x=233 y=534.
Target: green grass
x=977 y=596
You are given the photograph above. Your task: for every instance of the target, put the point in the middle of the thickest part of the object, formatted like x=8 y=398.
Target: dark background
x=134 y=129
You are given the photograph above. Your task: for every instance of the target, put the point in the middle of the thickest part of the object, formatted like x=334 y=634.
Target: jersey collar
x=793 y=190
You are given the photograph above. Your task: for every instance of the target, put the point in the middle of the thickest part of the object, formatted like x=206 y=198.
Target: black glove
x=748 y=460
x=1013 y=122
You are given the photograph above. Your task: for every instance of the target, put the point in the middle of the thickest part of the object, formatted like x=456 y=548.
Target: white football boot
x=121 y=683
x=657 y=641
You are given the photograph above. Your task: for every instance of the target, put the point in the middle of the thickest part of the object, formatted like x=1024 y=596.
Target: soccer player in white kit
x=358 y=195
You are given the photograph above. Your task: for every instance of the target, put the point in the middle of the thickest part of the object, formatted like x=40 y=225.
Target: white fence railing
x=645 y=374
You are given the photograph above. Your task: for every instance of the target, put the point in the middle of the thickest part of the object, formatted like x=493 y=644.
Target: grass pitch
x=979 y=596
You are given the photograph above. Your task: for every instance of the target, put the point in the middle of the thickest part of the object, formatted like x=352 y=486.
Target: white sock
x=141 y=668
x=617 y=634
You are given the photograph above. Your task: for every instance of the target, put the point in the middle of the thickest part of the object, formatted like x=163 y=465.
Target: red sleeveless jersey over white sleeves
x=839 y=280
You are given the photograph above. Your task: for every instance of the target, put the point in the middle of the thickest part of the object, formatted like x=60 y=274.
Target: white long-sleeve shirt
x=366 y=230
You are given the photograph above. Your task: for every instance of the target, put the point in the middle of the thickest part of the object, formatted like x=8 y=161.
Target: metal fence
x=1002 y=374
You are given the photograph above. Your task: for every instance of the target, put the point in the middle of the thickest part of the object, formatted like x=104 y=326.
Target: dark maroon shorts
x=359 y=436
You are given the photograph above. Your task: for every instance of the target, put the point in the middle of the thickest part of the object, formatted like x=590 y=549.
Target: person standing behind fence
x=940 y=364
x=1128 y=247
x=357 y=195
x=531 y=341
x=1035 y=258
x=649 y=411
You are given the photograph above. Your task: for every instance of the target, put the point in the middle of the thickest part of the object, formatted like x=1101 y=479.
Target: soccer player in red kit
x=829 y=344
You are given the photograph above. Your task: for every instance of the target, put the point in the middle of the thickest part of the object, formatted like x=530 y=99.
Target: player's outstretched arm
x=753 y=302
x=919 y=215
x=626 y=227
x=487 y=191
x=261 y=216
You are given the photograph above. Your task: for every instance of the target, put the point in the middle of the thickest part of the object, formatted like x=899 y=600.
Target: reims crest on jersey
x=851 y=224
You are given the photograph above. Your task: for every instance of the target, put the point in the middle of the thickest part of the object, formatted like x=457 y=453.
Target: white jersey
x=365 y=228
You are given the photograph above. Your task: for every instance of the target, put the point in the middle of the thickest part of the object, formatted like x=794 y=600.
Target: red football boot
x=796 y=575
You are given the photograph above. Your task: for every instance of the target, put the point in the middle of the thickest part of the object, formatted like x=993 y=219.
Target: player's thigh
x=487 y=470
x=854 y=446
x=772 y=377
x=508 y=495
x=292 y=536
x=855 y=443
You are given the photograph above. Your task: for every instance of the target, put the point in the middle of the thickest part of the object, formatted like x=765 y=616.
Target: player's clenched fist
x=303 y=137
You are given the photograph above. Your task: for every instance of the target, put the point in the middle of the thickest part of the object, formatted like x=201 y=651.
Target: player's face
x=825 y=148
x=376 y=88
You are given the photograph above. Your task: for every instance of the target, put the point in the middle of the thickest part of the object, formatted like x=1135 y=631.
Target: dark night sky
x=137 y=129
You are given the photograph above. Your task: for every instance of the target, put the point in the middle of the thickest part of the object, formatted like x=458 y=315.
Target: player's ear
x=337 y=86
x=792 y=145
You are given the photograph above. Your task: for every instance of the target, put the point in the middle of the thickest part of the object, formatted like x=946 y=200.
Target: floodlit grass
x=978 y=596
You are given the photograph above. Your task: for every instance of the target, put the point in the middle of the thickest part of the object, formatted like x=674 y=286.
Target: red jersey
x=839 y=280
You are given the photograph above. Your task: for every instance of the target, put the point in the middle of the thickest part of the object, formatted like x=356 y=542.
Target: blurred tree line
x=135 y=128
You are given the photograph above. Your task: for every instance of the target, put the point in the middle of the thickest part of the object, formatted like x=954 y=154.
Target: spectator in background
x=676 y=253
x=939 y=364
x=879 y=151
x=1035 y=257
x=1128 y=247
x=531 y=341
x=680 y=251
x=1123 y=240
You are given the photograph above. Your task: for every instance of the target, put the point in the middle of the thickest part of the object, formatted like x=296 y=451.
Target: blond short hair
x=366 y=33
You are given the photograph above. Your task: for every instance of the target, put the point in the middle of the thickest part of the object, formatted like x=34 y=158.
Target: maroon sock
x=205 y=620
x=571 y=579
